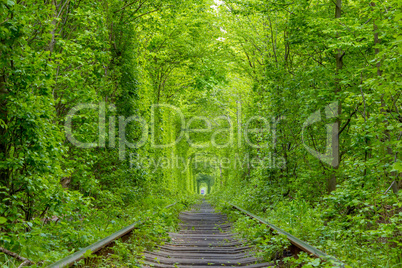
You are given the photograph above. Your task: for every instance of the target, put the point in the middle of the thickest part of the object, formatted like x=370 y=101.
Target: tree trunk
x=53 y=32
x=335 y=131
x=4 y=180
x=387 y=136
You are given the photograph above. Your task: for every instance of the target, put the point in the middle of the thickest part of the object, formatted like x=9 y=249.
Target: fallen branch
x=392 y=184
x=25 y=261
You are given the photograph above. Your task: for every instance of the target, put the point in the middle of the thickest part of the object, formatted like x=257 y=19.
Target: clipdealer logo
x=187 y=127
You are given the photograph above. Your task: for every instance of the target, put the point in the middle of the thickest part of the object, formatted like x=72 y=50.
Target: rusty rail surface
x=73 y=258
x=303 y=246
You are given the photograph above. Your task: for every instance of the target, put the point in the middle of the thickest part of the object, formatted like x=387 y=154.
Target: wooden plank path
x=204 y=240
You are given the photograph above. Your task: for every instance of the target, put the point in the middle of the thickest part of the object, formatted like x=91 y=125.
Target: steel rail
x=294 y=240
x=73 y=258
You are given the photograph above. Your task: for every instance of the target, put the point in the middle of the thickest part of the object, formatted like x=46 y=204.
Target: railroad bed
x=204 y=240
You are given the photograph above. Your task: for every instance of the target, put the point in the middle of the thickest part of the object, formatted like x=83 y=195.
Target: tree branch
x=349 y=119
x=25 y=261
x=129 y=4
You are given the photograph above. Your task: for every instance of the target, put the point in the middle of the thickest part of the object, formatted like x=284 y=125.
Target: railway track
x=204 y=240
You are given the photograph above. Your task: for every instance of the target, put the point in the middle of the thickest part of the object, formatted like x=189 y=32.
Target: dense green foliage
x=249 y=73
x=298 y=58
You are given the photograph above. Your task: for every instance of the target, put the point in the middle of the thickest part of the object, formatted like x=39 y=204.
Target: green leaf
x=87 y=253
x=397 y=166
x=3 y=220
